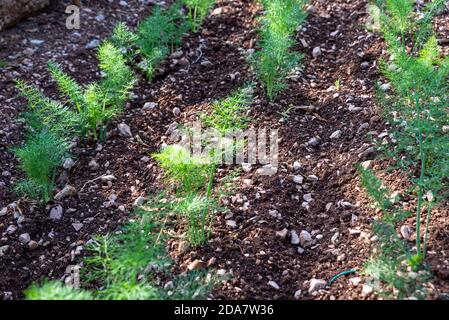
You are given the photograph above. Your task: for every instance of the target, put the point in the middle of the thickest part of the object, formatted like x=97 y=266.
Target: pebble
x=195 y=265
x=316 y=52
x=139 y=201
x=300 y=250
x=314 y=142
x=56 y=212
x=274 y=285
x=298 y=294
x=37 y=42
x=308 y=197
x=335 y=134
x=11 y=229
x=296 y=166
x=366 y=289
x=65 y=192
x=149 y=106
x=355 y=281
x=282 y=234
x=77 y=226
x=24 y=238
x=317 y=284
x=3 y=212
x=231 y=223
x=68 y=163
x=125 y=130
x=176 y=111
x=305 y=238
x=33 y=245
x=406 y=232
x=3 y=250
x=298 y=179
x=385 y=87
x=335 y=237
x=294 y=238
x=108 y=177
x=365 y=65
x=93 y=165
x=93 y=44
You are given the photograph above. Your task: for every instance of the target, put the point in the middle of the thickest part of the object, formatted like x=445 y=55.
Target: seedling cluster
x=416 y=108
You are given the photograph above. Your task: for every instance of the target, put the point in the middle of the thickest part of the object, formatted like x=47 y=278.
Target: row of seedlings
x=131 y=263
x=414 y=102
x=275 y=59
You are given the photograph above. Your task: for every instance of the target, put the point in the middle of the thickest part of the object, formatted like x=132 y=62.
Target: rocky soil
x=285 y=235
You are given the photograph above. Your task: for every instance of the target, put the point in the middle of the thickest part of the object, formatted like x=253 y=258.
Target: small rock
x=406 y=232
x=298 y=179
x=366 y=290
x=294 y=238
x=385 y=87
x=169 y=285
x=316 y=52
x=93 y=165
x=77 y=226
x=33 y=245
x=336 y=134
x=195 y=265
x=317 y=284
x=305 y=238
x=3 y=250
x=11 y=229
x=211 y=261
x=125 y=130
x=100 y=17
x=231 y=223
x=335 y=237
x=298 y=294
x=56 y=213
x=3 y=212
x=108 y=177
x=149 y=106
x=68 y=163
x=24 y=238
x=307 y=197
x=139 y=201
x=282 y=234
x=314 y=142
x=296 y=166
x=65 y=192
x=355 y=281
x=365 y=65
x=176 y=111
x=300 y=250
x=366 y=164
x=93 y=44
x=37 y=42
x=274 y=285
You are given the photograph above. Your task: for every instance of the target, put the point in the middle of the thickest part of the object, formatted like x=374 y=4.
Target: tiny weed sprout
x=39 y=158
x=275 y=59
x=229 y=113
x=197 y=11
x=416 y=108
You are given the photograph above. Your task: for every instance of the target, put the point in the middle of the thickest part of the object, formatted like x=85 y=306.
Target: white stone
x=317 y=284
x=294 y=238
x=125 y=130
x=274 y=285
x=298 y=179
x=305 y=238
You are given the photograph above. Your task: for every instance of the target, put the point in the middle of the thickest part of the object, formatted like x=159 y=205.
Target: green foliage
x=157 y=36
x=39 y=158
x=197 y=210
x=197 y=11
x=55 y=290
x=189 y=172
x=101 y=101
x=45 y=114
x=3 y=64
x=275 y=59
x=416 y=108
x=229 y=113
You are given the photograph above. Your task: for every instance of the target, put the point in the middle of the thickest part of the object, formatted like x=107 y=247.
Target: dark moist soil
x=212 y=64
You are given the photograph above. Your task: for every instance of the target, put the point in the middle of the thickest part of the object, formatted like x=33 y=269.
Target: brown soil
x=251 y=253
